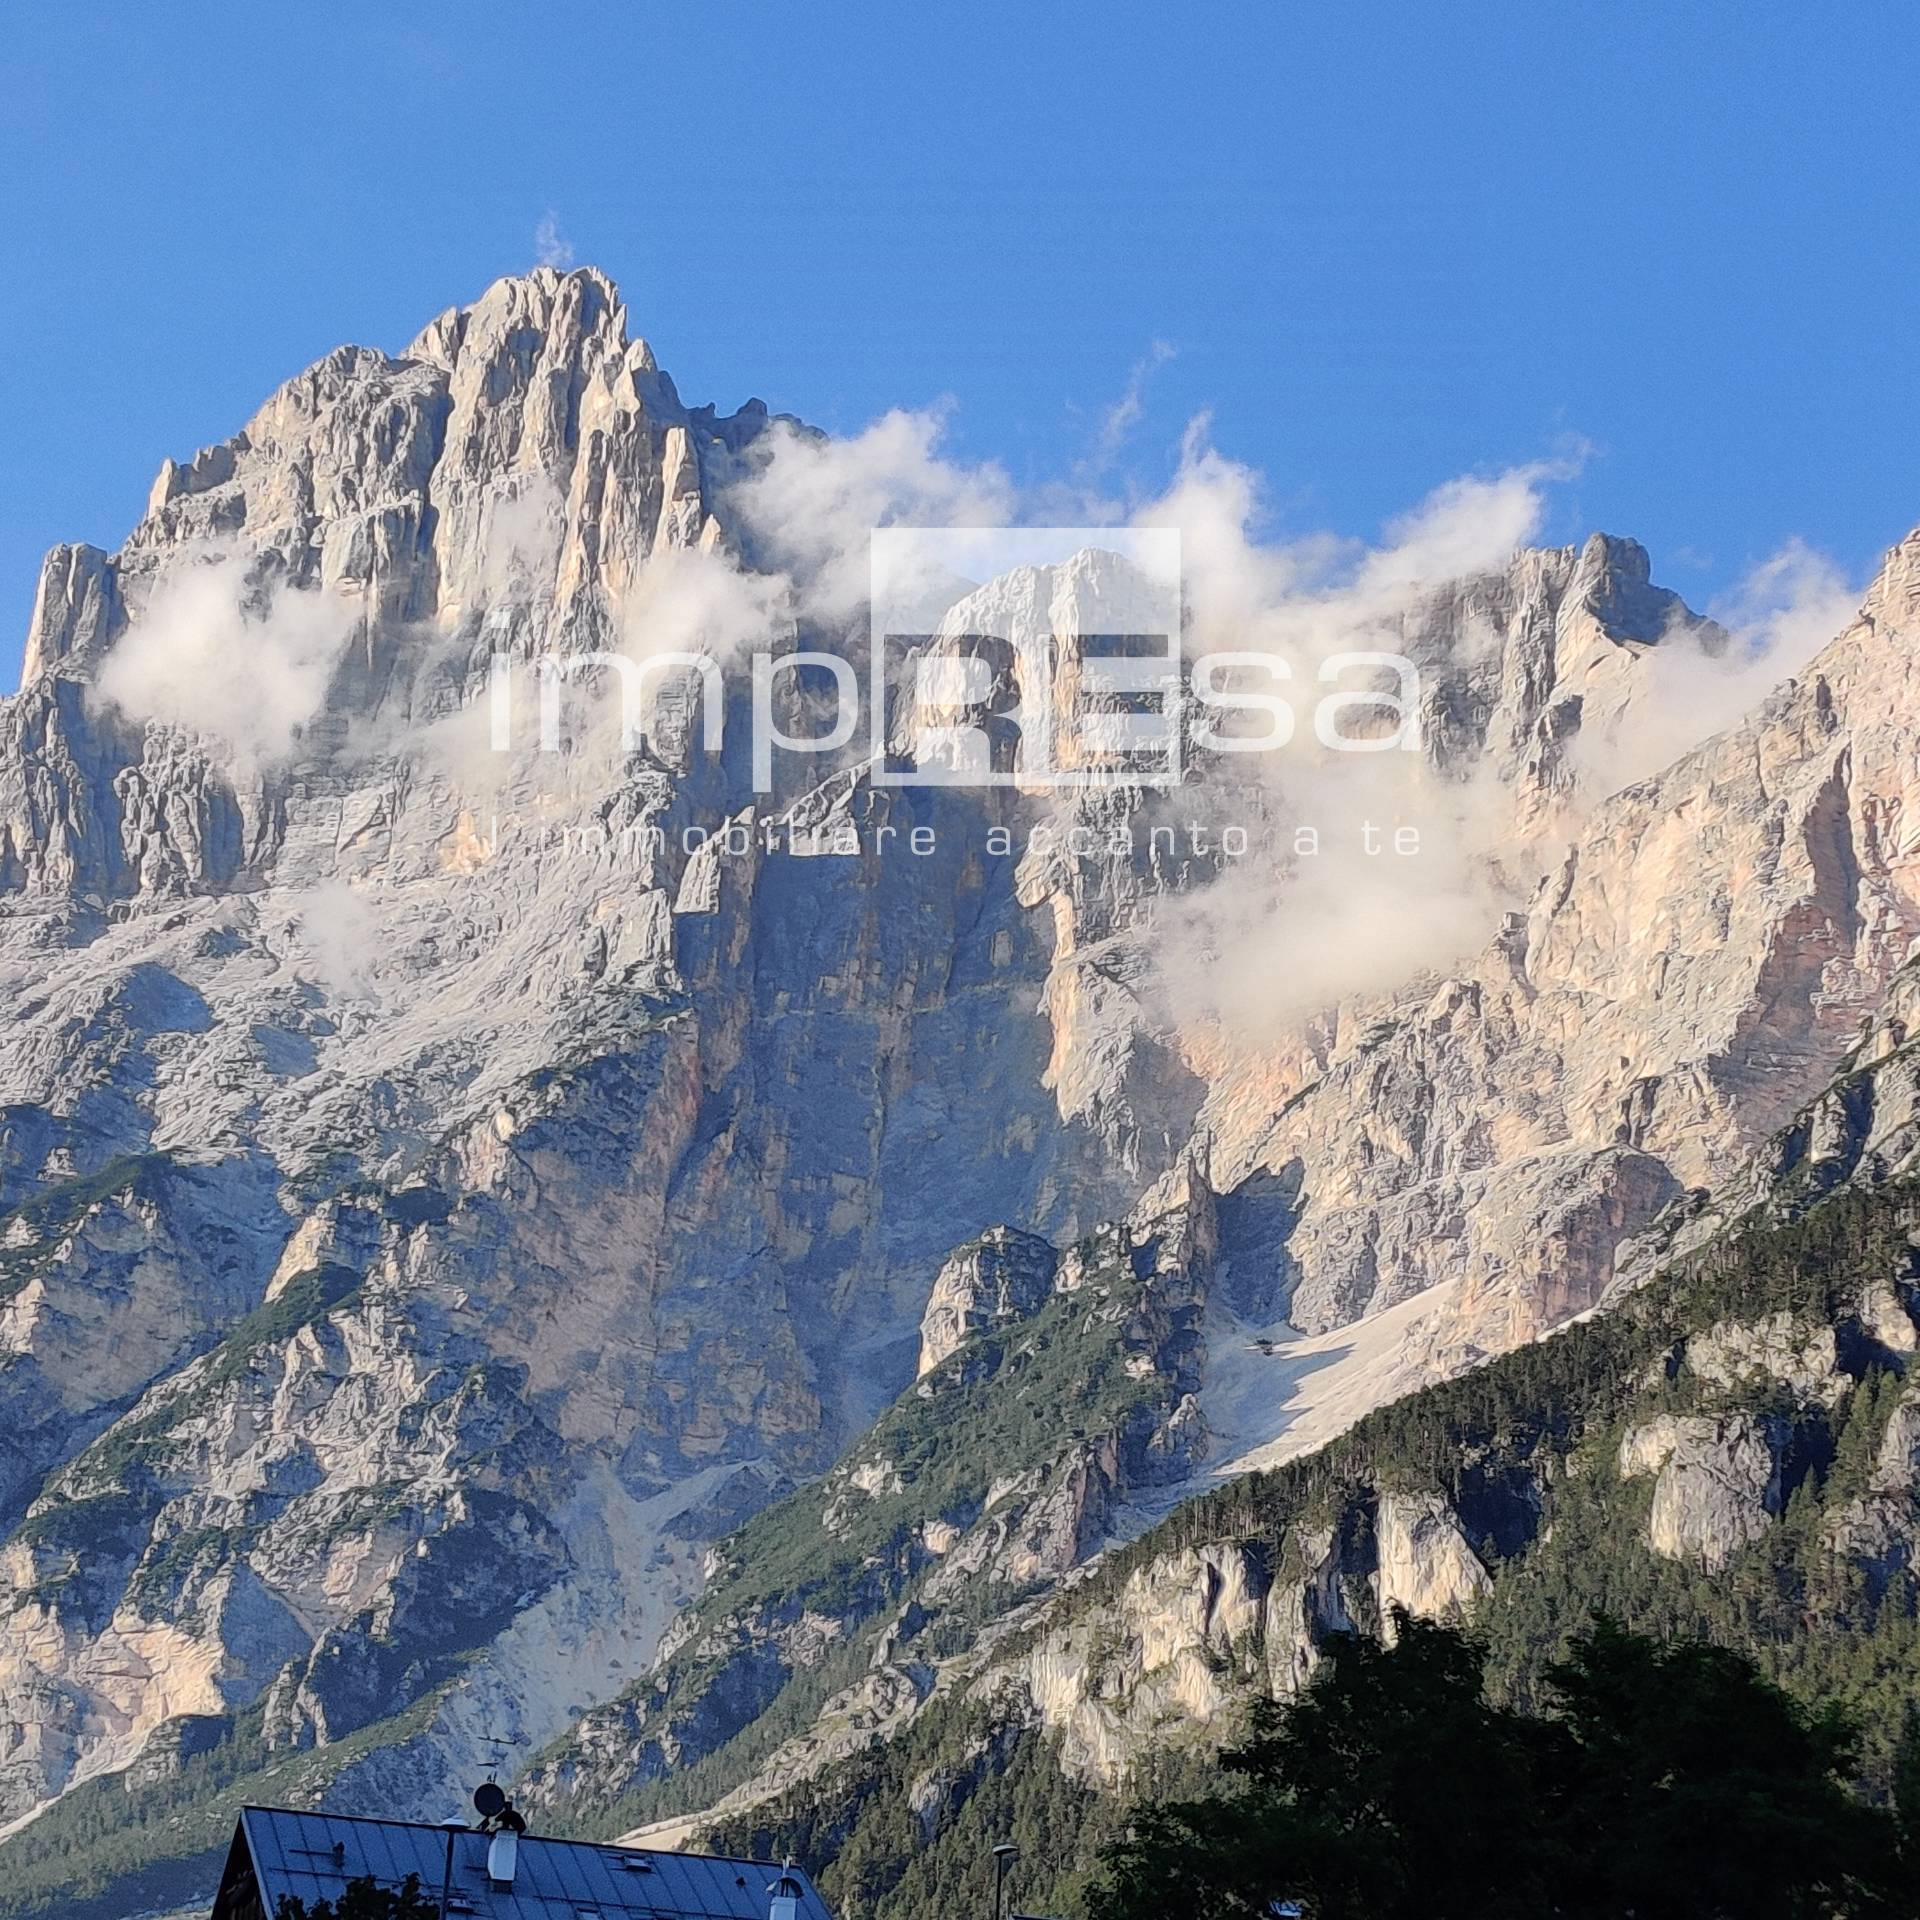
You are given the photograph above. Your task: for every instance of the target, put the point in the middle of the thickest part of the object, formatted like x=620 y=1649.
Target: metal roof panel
x=313 y=1855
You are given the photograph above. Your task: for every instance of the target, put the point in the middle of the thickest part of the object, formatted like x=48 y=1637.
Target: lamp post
x=1004 y=1855
x=446 y=1879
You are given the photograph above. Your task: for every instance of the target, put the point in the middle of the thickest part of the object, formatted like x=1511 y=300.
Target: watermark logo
x=1034 y=657
x=1040 y=658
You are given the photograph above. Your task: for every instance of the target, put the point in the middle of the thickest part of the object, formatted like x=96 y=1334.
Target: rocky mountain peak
x=581 y=303
x=491 y=1183
x=1614 y=577
x=525 y=429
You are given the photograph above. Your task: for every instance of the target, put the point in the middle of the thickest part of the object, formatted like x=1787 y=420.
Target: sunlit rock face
x=1681 y=981
x=591 y=1142
x=997 y=1277
x=446 y=1195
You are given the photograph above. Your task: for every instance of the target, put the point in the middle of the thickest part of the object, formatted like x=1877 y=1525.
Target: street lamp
x=453 y=1828
x=1004 y=1855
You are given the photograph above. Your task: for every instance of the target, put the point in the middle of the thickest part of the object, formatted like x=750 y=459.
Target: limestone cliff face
x=443 y=1198
x=587 y=1134
x=1769 y=1362
x=1716 y=1484
x=1732 y=1448
x=1000 y=1276
x=1678 y=985
x=1009 y=1463
x=521 y=460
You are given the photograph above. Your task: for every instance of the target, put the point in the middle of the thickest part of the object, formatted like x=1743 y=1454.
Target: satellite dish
x=488 y=1798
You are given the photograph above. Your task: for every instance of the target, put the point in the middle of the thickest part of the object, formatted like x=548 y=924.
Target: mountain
x=1730 y=1449
x=589 y=1249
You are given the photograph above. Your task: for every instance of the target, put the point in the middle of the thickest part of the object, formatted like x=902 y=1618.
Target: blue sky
x=1388 y=244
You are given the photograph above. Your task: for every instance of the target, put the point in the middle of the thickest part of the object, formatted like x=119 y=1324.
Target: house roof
x=313 y=1855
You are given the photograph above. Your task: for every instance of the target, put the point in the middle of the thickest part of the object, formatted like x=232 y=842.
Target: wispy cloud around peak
x=1119 y=420
x=551 y=247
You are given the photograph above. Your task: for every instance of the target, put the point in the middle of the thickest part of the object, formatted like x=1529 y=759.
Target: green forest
x=1524 y=1450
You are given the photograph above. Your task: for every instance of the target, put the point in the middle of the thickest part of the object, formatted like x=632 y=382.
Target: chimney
x=785 y=1895
x=503 y=1852
x=499 y=1818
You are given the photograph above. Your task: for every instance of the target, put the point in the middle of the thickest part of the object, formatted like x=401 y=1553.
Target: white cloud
x=1788 y=608
x=1280 y=935
x=245 y=667
x=525 y=528
x=551 y=247
x=1267 y=941
x=341 y=936
x=1119 y=420
x=1776 y=619
x=1303 y=596
x=1288 y=933
x=1467 y=526
x=687 y=601
x=811 y=503
x=1272 y=940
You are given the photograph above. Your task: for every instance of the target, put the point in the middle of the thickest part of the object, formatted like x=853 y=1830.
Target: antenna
x=498 y=1815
